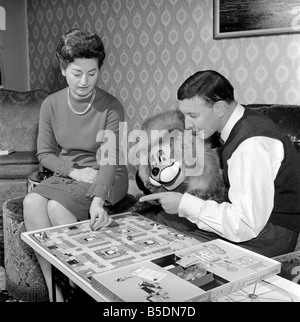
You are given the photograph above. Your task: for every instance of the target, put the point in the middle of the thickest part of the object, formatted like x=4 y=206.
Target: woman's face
x=82 y=76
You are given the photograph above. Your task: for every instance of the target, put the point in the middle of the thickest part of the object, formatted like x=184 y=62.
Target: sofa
x=19 y=116
x=286 y=116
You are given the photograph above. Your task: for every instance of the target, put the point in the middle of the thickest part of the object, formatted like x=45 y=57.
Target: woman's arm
x=108 y=148
x=47 y=146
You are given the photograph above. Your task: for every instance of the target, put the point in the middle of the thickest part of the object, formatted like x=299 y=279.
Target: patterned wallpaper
x=154 y=45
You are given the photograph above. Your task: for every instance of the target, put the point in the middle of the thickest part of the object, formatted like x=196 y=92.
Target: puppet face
x=164 y=170
x=181 y=162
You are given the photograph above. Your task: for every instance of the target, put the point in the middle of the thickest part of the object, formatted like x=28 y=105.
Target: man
x=261 y=171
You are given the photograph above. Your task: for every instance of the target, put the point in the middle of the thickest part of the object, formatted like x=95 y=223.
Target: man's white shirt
x=252 y=170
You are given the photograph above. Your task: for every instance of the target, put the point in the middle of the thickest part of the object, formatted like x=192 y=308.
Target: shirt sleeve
x=252 y=170
x=109 y=150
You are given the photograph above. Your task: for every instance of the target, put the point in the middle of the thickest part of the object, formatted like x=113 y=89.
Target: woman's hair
x=77 y=43
x=208 y=85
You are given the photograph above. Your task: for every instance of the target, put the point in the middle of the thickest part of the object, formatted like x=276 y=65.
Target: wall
x=14 y=46
x=154 y=45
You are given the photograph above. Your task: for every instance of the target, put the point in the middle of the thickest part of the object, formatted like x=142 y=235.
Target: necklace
x=87 y=108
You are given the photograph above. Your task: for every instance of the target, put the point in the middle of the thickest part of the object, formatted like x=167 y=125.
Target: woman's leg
x=60 y=216
x=35 y=212
x=40 y=213
x=35 y=218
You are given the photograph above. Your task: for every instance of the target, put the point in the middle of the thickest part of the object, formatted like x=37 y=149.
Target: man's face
x=200 y=116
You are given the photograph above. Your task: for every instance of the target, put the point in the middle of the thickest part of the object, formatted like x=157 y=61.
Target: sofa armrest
x=19 y=117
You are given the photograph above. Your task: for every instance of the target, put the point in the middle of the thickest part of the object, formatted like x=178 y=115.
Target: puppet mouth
x=167 y=174
x=176 y=182
x=171 y=183
x=168 y=178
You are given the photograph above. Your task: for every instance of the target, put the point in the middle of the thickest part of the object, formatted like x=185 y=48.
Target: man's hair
x=208 y=85
x=77 y=43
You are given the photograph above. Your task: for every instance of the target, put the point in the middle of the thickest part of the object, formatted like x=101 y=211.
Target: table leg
x=53 y=283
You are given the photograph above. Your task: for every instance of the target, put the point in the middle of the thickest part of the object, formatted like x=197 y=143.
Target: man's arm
x=252 y=170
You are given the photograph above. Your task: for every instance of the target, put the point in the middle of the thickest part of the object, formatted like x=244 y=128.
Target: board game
x=131 y=238
x=137 y=259
x=204 y=272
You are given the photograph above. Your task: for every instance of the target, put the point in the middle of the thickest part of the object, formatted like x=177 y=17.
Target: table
x=82 y=277
x=78 y=280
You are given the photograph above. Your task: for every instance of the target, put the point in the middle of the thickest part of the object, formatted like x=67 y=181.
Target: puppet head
x=179 y=161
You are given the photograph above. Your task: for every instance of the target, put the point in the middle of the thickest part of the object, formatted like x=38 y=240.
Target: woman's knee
x=58 y=214
x=32 y=203
x=53 y=208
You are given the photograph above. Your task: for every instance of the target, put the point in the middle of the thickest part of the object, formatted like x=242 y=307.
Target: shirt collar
x=237 y=114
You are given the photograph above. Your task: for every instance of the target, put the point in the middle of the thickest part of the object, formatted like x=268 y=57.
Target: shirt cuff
x=190 y=207
x=100 y=190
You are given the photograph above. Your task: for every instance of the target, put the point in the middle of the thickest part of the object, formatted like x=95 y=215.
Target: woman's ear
x=220 y=108
x=63 y=66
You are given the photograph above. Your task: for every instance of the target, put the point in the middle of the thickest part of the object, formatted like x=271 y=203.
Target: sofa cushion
x=18 y=165
x=19 y=116
x=286 y=116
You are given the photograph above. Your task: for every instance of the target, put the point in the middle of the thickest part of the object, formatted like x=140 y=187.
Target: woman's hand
x=87 y=175
x=99 y=216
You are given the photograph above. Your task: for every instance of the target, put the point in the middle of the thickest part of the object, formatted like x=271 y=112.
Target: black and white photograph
x=149 y=152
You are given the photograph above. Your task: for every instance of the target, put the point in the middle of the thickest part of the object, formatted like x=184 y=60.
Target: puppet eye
x=155 y=171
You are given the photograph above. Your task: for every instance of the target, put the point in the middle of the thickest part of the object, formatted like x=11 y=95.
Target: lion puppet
x=179 y=160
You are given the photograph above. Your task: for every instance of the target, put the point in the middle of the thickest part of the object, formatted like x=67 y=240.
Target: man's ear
x=63 y=71
x=220 y=108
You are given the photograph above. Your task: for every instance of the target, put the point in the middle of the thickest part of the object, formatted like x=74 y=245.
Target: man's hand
x=99 y=216
x=170 y=201
x=87 y=175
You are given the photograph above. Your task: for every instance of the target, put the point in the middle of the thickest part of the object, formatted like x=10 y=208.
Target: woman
x=70 y=139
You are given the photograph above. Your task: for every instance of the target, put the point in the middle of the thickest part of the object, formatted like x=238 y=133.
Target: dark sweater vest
x=286 y=211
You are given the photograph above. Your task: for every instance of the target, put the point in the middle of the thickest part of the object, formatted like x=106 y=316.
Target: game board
x=130 y=239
